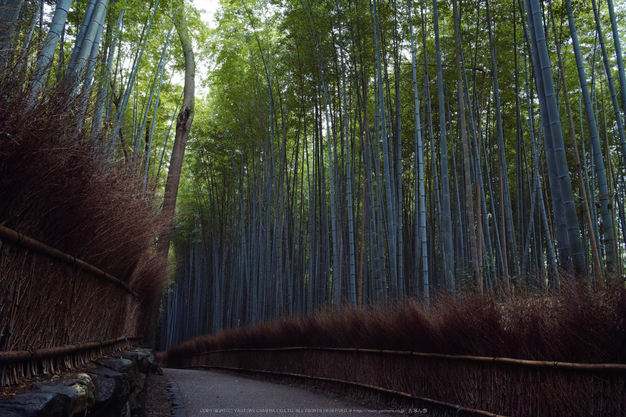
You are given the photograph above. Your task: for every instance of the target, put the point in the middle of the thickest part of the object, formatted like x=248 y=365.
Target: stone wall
x=116 y=388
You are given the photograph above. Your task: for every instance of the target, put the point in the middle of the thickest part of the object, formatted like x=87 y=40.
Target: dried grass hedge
x=576 y=325
x=55 y=190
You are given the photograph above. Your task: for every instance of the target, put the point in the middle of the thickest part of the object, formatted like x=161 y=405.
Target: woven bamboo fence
x=487 y=386
x=52 y=302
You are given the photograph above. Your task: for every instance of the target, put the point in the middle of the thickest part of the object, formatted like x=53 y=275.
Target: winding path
x=208 y=393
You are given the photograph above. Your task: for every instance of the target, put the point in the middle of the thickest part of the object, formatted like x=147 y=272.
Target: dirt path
x=207 y=393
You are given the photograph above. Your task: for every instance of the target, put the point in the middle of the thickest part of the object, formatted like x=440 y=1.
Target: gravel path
x=207 y=393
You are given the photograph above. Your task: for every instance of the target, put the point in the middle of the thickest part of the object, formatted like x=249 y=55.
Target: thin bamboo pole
x=29 y=243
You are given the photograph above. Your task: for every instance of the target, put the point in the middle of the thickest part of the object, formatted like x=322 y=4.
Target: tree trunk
x=466 y=155
x=183 y=125
x=420 y=197
x=9 y=17
x=44 y=60
x=448 y=247
x=570 y=247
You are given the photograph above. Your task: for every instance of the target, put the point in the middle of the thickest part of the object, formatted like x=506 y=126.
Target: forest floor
x=158 y=403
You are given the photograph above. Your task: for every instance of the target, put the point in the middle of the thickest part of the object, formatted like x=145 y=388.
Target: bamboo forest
x=360 y=152
x=293 y=156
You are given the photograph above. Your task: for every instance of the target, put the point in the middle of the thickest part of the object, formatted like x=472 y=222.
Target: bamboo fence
x=17 y=364
x=476 y=385
x=57 y=311
x=29 y=243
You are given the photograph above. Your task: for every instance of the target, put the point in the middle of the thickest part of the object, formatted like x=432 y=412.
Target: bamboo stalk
x=29 y=243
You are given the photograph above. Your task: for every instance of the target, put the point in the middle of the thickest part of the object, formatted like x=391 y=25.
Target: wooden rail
x=593 y=367
x=27 y=242
x=27 y=355
x=501 y=385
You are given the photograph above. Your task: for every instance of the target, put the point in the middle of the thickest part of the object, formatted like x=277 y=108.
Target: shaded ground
x=208 y=393
x=158 y=403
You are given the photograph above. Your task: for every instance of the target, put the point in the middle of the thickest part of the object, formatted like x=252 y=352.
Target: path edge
x=178 y=406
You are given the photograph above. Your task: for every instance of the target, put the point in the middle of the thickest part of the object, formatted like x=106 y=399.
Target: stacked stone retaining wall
x=115 y=388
